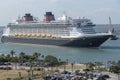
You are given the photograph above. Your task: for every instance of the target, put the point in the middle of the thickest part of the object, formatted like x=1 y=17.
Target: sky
x=96 y=10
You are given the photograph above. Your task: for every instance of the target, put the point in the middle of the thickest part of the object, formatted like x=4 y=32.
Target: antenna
x=110 y=22
x=112 y=31
x=64 y=13
x=19 y=17
x=64 y=17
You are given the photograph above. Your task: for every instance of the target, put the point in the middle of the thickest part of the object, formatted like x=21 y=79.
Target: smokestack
x=49 y=17
x=28 y=17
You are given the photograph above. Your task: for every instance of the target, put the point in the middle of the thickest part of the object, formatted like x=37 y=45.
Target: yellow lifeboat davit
x=32 y=35
x=28 y=35
x=38 y=35
x=48 y=35
x=43 y=35
x=20 y=34
x=16 y=34
x=23 y=34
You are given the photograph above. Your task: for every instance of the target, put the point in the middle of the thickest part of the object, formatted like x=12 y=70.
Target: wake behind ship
x=64 y=31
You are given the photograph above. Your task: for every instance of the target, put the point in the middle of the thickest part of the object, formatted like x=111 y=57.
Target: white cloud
x=101 y=15
x=103 y=11
x=100 y=10
x=54 y=1
x=10 y=9
x=57 y=1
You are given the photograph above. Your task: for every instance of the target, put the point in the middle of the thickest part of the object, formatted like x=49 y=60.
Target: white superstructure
x=64 y=27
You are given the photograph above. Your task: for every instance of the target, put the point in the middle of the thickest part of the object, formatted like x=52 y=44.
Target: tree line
x=36 y=57
x=47 y=61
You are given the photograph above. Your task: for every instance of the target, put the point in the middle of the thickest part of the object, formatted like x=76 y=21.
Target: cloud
x=60 y=1
x=11 y=8
x=101 y=15
x=102 y=11
x=54 y=1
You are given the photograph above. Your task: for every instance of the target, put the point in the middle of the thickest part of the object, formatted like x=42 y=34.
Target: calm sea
x=109 y=51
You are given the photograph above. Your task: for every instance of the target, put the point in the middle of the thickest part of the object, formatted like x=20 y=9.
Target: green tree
x=22 y=57
x=72 y=66
x=42 y=56
x=15 y=60
x=51 y=61
x=98 y=66
x=36 y=55
x=8 y=57
x=3 y=58
x=90 y=66
x=118 y=63
x=31 y=61
x=116 y=70
x=32 y=58
x=2 y=55
x=12 y=53
x=41 y=62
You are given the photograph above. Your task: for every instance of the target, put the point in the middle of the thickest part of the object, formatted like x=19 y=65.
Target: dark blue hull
x=78 y=42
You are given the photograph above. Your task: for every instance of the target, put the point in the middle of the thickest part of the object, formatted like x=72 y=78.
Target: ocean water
x=109 y=51
x=106 y=27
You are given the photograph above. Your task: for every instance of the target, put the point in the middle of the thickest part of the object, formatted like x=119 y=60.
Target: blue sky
x=97 y=10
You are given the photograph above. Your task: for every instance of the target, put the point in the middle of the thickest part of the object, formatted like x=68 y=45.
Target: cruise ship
x=64 y=31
